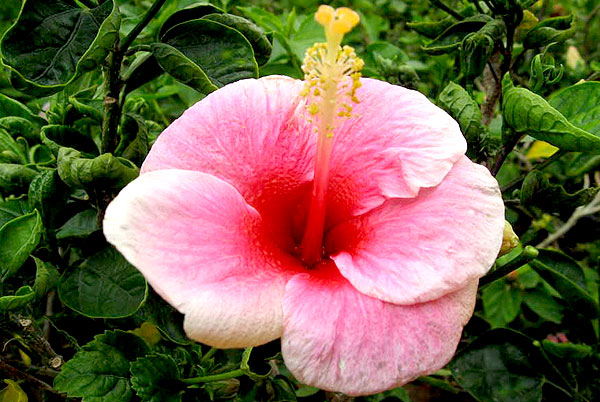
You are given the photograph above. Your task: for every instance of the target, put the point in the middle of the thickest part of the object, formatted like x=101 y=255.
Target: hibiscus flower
x=354 y=231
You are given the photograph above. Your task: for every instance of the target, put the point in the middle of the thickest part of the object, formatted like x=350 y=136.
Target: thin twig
x=152 y=11
x=13 y=372
x=584 y=210
x=439 y=4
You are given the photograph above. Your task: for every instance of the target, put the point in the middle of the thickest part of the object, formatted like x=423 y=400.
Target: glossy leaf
x=455 y=100
x=103 y=286
x=529 y=113
x=12 y=107
x=18 y=238
x=450 y=40
x=501 y=303
x=537 y=191
x=81 y=225
x=155 y=379
x=567 y=351
x=10 y=151
x=46 y=278
x=431 y=29
x=500 y=365
x=580 y=104
x=255 y=35
x=550 y=30
x=99 y=372
x=544 y=305
x=54 y=41
x=192 y=12
x=105 y=170
x=566 y=276
x=46 y=191
x=11 y=209
x=15 y=178
x=22 y=297
x=181 y=68
x=223 y=53
x=56 y=136
x=20 y=127
x=477 y=47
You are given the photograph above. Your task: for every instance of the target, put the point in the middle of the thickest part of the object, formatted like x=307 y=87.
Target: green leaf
x=56 y=136
x=47 y=191
x=11 y=107
x=99 y=372
x=155 y=378
x=18 y=239
x=181 y=68
x=254 y=34
x=46 y=277
x=14 y=178
x=53 y=42
x=528 y=113
x=22 y=297
x=168 y=320
x=450 y=40
x=102 y=171
x=567 y=351
x=10 y=151
x=550 y=30
x=455 y=100
x=537 y=191
x=566 y=276
x=12 y=392
x=81 y=225
x=500 y=365
x=501 y=303
x=135 y=136
x=431 y=29
x=265 y=19
x=20 y=127
x=221 y=52
x=580 y=104
x=544 y=305
x=103 y=286
x=12 y=209
x=477 y=47
x=189 y=13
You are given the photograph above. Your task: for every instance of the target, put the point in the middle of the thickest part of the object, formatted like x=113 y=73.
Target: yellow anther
x=331 y=72
x=324 y=15
x=349 y=17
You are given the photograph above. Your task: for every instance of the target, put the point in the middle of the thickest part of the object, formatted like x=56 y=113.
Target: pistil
x=332 y=76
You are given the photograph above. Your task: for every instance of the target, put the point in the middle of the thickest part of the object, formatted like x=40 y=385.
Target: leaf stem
x=209 y=354
x=152 y=11
x=541 y=166
x=529 y=253
x=215 y=377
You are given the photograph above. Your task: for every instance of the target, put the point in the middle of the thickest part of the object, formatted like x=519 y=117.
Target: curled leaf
x=528 y=113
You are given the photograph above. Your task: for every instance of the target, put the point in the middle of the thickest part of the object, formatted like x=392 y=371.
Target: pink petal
x=417 y=250
x=202 y=248
x=398 y=143
x=251 y=133
x=338 y=339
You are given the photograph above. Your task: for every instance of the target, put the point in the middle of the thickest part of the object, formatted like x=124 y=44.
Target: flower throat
x=332 y=76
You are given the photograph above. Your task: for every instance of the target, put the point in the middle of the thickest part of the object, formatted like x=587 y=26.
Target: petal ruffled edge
x=415 y=250
x=199 y=245
x=341 y=340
